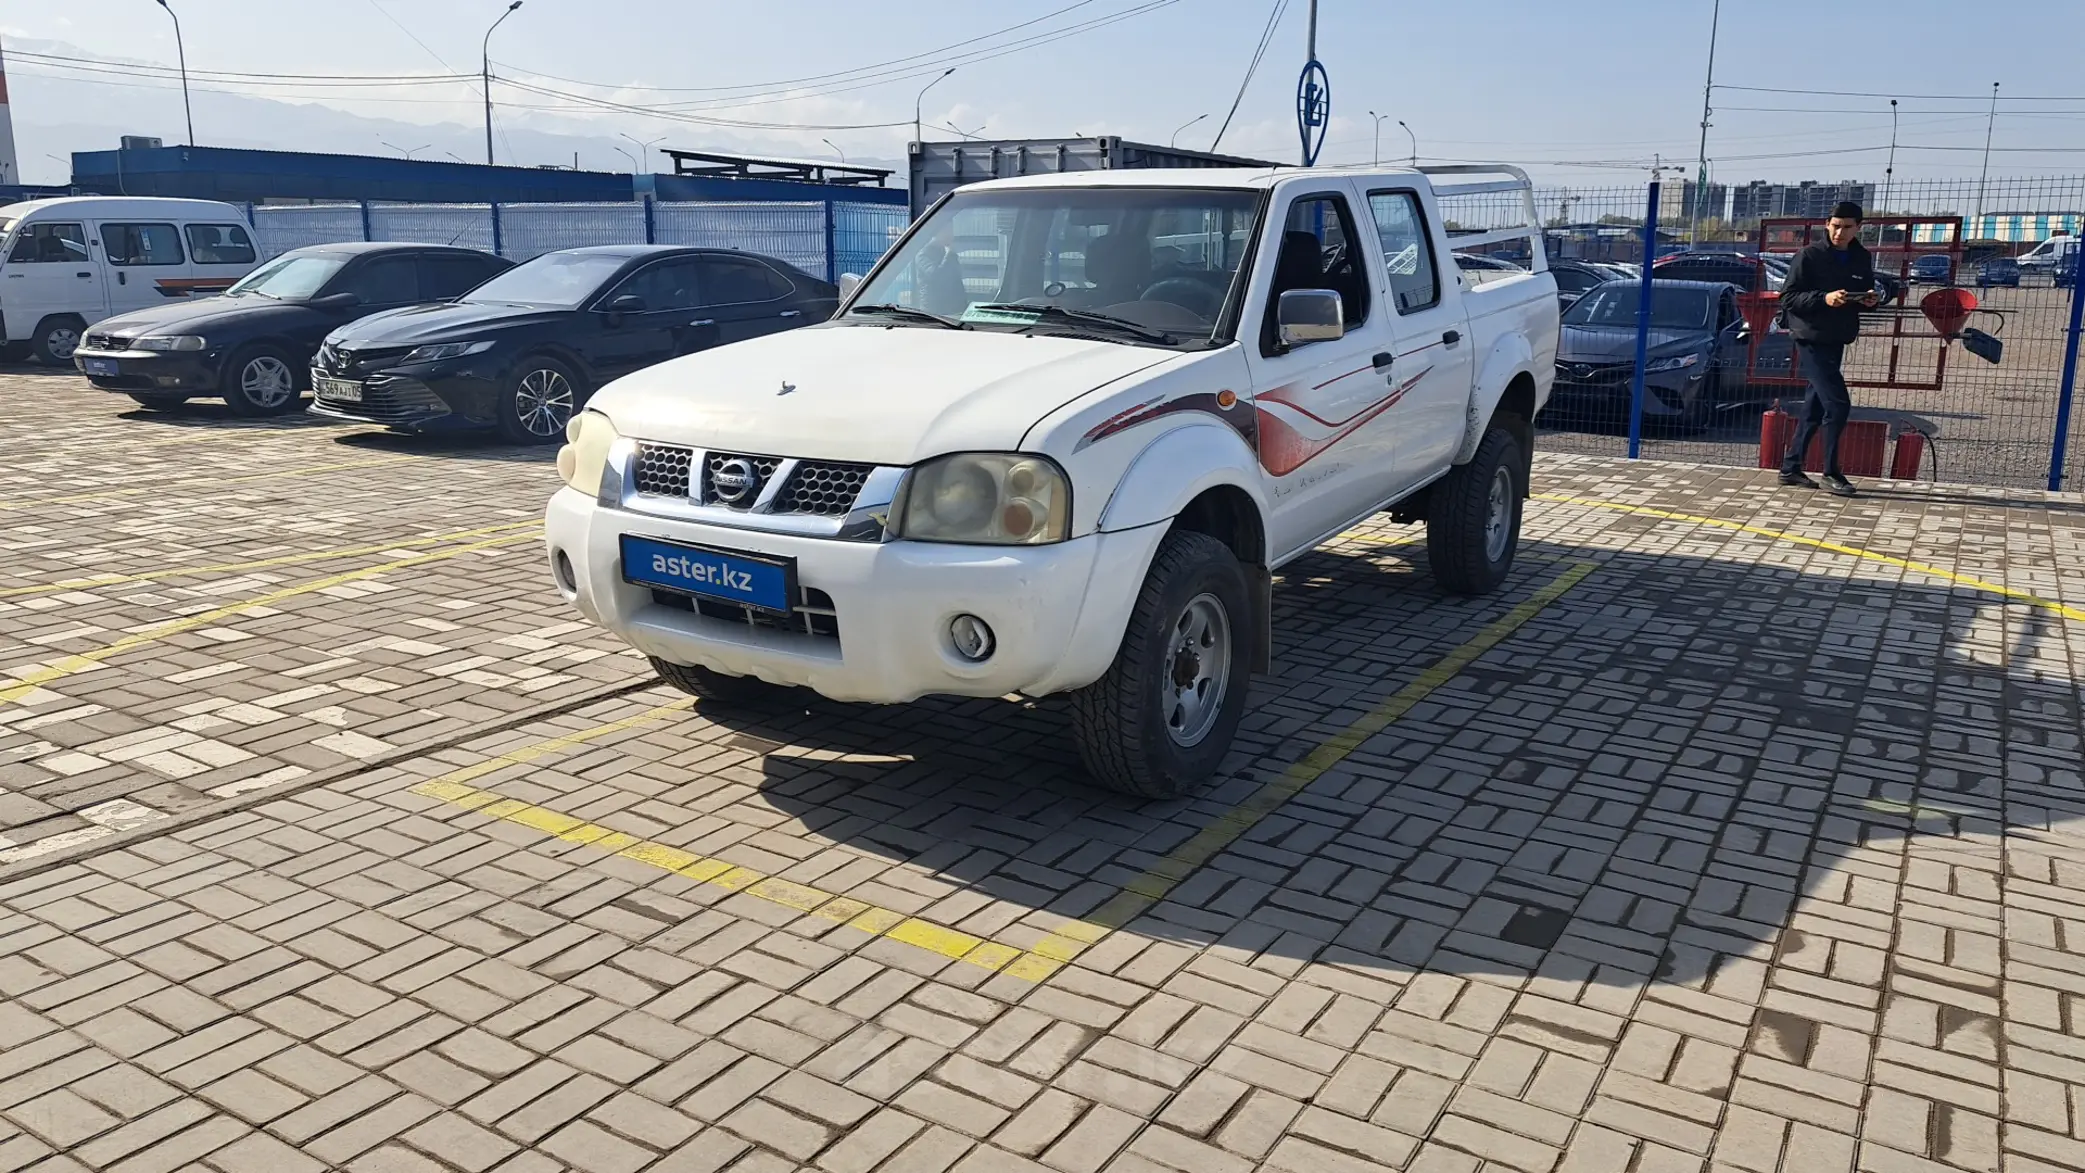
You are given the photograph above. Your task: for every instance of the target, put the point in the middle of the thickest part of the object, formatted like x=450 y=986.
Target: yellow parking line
x=202 y=482
x=1053 y=952
x=28 y=682
x=2072 y=613
x=109 y=580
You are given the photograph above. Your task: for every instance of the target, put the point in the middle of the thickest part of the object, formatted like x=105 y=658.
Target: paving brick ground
x=1745 y=851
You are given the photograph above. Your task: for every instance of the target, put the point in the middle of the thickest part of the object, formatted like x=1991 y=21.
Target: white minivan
x=69 y=262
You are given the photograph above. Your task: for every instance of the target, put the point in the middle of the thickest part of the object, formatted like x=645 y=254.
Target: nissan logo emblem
x=734 y=480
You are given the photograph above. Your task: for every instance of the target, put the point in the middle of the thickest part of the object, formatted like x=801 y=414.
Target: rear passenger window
x=220 y=244
x=1407 y=250
x=141 y=244
x=729 y=281
x=444 y=277
x=384 y=281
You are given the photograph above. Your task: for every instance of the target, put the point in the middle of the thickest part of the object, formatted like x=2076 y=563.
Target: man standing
x=1829 y=285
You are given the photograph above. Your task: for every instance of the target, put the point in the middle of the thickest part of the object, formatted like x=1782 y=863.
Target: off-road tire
x=1459 y=515
x=1118 y=722
x=719 y=687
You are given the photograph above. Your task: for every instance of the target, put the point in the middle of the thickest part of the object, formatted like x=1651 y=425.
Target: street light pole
x=1415 y=142
x=644 y=148
x=181 y=51
x=485 y=75
x=1988 y=124
x=923 y=97
x=1379 y=135
x=1183 y=126
x=1708 y=90
x=1889 y=170
x=836 y=150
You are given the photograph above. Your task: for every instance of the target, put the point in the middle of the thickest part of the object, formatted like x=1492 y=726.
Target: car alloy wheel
x=543 y=402
x=267 y=382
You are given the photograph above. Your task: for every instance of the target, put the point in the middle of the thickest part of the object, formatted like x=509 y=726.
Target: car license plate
x=100 y=366
x=345 y=390
x=750 y=580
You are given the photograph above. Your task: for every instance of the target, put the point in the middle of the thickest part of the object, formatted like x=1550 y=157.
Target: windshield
x=557 y=280
x=1615 y=305
x=1162 y=258
x=291 y=278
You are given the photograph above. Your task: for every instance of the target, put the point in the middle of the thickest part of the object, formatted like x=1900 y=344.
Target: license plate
x=751 y=580
x=345 y=390
x=100 y=366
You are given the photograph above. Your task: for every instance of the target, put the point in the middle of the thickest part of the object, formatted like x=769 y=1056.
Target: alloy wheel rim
x=1197 y=670
x=543 y=402
x=266 y=381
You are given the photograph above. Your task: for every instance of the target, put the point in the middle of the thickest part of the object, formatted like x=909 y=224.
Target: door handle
x=1382 y=362
x=790 y=314
x=81 y=276
x=704 y=322
x=122 y=278
x=1450 y=337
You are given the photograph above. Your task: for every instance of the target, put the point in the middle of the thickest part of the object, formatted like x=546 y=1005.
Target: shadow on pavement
x=1640 y=784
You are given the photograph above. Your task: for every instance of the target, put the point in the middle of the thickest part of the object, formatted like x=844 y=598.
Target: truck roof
x=1248 y=177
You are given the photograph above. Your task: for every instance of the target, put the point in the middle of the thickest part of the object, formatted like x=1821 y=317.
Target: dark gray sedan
x=1695 y=361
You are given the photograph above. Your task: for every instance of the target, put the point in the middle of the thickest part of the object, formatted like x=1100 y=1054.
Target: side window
x=444 y=277
x=141 y=244
x=729 y=281
x=1415 y=283
x=667 y=285
x=383 y=281
x=220 y=244
x=1318 y=252
x=1575 y=280
x=49 y=244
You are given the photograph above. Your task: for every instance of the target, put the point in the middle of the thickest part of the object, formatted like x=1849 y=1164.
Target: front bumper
x=1665 y=393
x=423 y=397
x=147 y=372
x=1058 y=612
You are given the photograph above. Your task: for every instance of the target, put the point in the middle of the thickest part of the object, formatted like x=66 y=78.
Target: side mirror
x=1304 y=316
x=627 y=303
x=338 y=301
x=849 y=282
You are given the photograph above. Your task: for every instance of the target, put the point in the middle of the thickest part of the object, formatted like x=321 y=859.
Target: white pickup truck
x=1060 y=439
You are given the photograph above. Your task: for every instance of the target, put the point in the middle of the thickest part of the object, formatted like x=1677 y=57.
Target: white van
x=2048 y=254
x=67 y=263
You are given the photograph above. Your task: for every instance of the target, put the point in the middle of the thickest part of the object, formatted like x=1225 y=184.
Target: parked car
x=69 y=262
x=2051 y=255
x=1574 y=278
x=1998 y=271
x=523 y=351
x=1932 y=269
x=1749 y=273
x=1068 y=484
x=1696 y=360
x=253 y=345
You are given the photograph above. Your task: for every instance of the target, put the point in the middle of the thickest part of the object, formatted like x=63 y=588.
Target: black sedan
x=523 y=351
x=1695 y=356
x=253 y=343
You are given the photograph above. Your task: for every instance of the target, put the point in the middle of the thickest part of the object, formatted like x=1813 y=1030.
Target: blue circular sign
x=1313 y=109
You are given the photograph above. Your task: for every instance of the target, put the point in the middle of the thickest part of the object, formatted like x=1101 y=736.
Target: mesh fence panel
x=862 y=233
x=790 y=232
x=280 y=228
x=528 y=230
x=463 y=225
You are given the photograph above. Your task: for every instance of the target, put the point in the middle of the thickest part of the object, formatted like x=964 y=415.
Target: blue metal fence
x=823 y=239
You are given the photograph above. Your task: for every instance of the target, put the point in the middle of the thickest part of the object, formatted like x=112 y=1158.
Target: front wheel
x=56 y=338
x=1162 y=718
x=704 y=684
x=260 y=380
x=537 y=401
x=1473 y=518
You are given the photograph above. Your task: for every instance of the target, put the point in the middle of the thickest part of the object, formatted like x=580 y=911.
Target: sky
x=1587 y=93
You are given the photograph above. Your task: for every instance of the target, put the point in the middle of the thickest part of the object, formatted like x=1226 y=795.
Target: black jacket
x=1818 y=270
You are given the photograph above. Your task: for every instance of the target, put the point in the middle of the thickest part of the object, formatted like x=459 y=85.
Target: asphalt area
x=1738 y=832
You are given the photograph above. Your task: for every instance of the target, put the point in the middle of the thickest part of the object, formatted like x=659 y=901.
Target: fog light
x=972 y=637
x=566 y=576
x=168 y=380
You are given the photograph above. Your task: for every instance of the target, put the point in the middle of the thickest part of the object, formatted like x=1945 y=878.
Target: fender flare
x=1152 y=491
x=1510 y=356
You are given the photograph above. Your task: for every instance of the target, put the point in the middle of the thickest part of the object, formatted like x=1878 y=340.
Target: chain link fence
x=822 y=240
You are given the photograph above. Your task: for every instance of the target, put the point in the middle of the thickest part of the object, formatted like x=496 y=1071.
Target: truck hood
x=891 y=395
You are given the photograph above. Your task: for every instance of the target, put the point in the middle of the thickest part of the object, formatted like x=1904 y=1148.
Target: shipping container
x=939 y=168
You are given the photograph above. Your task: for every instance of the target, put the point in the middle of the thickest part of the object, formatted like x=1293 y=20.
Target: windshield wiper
x=1082 y=317
x=905 y=311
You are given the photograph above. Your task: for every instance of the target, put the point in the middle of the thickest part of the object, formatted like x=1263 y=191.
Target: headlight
x=992 y=498
x=445 y=350
x=585 y=454
x=169 y=342
x=1676 y=362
